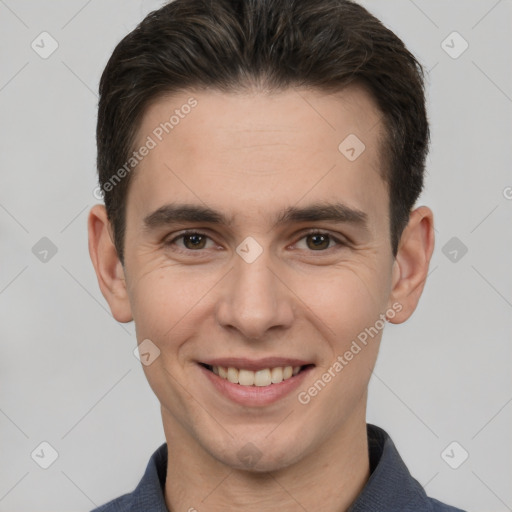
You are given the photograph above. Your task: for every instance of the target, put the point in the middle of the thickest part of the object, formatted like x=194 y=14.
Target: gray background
x=67 y=372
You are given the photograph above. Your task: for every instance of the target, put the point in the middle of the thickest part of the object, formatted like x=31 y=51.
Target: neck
x=328 y=479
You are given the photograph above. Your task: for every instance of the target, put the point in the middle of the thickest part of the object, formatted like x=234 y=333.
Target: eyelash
x=332 y=238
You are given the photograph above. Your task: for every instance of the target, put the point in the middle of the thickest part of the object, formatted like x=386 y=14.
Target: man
x=260 y=161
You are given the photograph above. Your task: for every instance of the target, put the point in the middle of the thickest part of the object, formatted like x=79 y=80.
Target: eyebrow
x=331 y=212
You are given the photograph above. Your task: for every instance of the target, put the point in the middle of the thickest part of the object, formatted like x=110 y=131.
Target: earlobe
x=410 y=268
x=108 y=267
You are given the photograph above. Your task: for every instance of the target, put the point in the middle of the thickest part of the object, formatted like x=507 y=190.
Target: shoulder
x=437 y=506
x=391 y=486
x=149 y=493
x=121 y=504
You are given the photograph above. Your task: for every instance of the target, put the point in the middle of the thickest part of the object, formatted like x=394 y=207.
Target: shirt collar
x=149 y=494
x=390 y=486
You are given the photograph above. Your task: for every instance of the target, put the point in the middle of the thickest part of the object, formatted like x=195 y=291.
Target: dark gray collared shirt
x=390 y=488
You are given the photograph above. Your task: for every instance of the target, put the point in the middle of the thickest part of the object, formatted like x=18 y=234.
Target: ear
x=108 y=267
x=410 y=268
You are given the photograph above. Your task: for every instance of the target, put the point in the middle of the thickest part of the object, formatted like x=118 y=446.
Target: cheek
x=344 y=302
x=165 y=300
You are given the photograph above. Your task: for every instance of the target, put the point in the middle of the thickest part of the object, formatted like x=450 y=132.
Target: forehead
x=257 y=149
x=302 y=114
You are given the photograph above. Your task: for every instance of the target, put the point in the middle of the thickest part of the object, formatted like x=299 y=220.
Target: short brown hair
x=229 y=45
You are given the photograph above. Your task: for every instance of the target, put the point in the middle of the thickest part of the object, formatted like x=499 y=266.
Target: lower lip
x=255 y=395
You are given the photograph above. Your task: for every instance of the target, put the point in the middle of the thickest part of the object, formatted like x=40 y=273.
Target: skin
x=249 y=156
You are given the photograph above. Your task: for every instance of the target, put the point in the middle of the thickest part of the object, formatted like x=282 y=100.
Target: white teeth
x=277 y=375
x=260 y=378
x=233 y=375
x=245 y=377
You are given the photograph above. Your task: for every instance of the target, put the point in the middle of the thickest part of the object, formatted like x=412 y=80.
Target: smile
x=260 y=378
x=255 y=383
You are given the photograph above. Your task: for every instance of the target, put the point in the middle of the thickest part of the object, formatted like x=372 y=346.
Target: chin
x=260 y=455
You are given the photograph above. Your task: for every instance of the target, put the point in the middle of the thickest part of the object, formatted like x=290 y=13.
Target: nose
x=255 y=299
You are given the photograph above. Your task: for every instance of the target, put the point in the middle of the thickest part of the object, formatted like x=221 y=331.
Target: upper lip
x=255 y=364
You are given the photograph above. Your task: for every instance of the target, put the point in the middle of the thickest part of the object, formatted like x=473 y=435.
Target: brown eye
x=191 y=241
x=318 y=241
x=194 y=241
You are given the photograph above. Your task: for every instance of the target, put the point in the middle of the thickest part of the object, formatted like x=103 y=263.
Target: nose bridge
x=254 y=300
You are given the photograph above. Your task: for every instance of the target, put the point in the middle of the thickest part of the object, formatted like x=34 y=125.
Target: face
x=255 y=241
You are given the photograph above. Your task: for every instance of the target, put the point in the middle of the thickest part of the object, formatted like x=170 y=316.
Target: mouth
x=261 y=377
x=255 y=383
